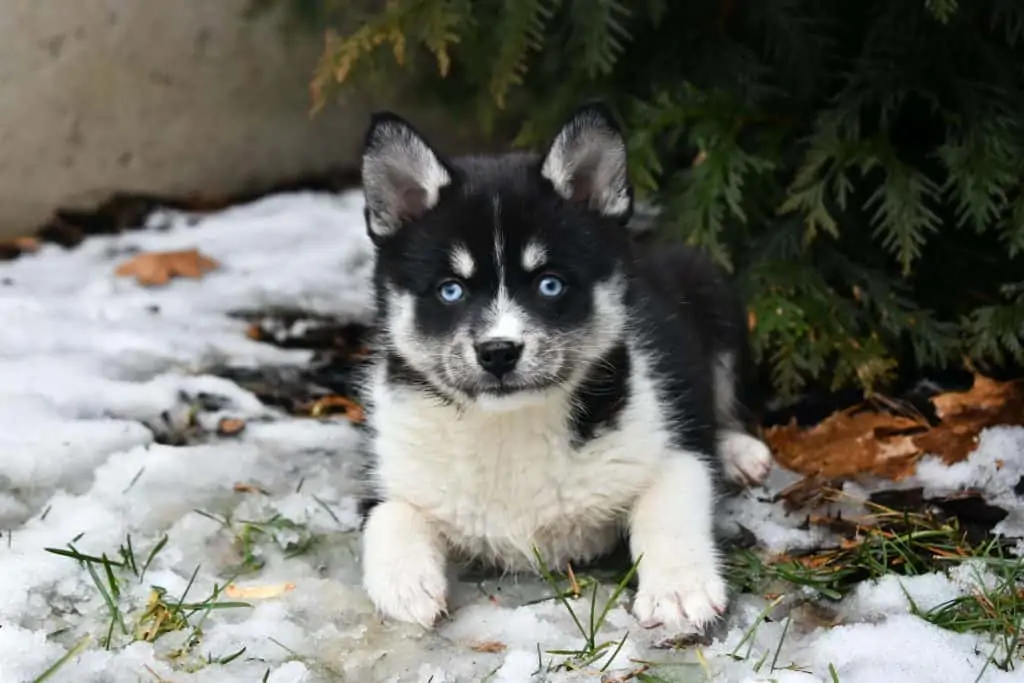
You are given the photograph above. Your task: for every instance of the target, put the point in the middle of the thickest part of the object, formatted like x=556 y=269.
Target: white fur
x=405 y=557
x=588 y=147
x=497 y=484
x=745 y=459
x=680 y=582
x=404 y=336
x=462 y=262
x=507 y=320
x=534 y=256
x=399 y=161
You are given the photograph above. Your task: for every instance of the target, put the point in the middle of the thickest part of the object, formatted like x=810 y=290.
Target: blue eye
x=550 y=287
x=451 y=291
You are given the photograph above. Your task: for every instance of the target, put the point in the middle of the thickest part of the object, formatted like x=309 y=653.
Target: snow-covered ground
x=93 y=365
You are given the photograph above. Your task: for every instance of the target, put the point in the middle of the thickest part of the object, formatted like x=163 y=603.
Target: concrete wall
x=166 y=96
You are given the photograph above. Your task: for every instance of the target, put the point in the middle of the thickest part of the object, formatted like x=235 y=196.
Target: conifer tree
x=858 y=166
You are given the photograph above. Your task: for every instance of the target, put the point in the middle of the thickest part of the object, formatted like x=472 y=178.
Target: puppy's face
x=499 y=279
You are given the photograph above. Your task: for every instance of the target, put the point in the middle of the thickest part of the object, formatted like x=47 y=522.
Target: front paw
x=746 y=461
x=681 y=598
x=404 y=565
x=413 y=590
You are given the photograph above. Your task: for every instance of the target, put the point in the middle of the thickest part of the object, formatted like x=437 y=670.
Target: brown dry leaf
x=986 y=395
x=330 y=405
x=242 y=487
x=158 y=267
x=26 y=244
x=229 y=426
x=965 y=414
x=488 y=646
x=852 y=442
x=273 y=590
x=848 y=443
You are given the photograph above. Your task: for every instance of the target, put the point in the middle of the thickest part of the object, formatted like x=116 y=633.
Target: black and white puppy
x=537 y=385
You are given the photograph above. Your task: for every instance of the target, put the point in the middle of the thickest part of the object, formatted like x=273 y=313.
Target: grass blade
x=68 y=656
x=152 y=554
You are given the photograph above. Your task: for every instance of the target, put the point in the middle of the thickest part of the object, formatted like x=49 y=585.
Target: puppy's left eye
x=550 y=287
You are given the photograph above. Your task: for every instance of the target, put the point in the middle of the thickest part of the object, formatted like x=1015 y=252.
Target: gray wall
x=167 y=96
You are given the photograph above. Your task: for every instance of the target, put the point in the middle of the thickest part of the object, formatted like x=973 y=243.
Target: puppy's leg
x=746 y=460
x=404 y=564
x=680 y=581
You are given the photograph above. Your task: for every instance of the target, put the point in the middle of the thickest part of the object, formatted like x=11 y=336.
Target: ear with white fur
x=402 y=176
x=587 y=163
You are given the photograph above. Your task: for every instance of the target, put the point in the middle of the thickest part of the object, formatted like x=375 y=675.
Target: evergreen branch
x=942 y=10
x=439 y=24
x=979 y=172
x=902 y=214
x=1013 y=228
x=995 y=333
x=600 y=33
x=519 y=30
x=342 y=54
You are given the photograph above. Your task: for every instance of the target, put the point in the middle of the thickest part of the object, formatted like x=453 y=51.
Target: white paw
x=745 y=460
x=404 y=565
x=413 y=591
x=681 y=598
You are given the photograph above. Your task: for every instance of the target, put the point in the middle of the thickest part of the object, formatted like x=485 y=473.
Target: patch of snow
x=94 y=368
x=995 y=468
x=776 y=530
x=901 y=648
x=872 y=600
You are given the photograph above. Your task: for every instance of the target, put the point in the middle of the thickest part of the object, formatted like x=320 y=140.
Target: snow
x=94 y=368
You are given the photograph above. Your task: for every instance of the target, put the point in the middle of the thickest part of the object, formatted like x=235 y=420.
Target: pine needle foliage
x=858 y=166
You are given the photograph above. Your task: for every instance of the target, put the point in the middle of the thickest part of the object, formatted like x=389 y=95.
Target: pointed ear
x=402 y=176
x=587 y=163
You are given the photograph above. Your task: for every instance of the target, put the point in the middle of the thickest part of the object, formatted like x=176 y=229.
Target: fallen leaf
x=488 y=646
x=986 y=395
x=965 y=414
x=329 y=405
x=157 y=268
x=241 y=487
x=229 y=426
x=273 y=590
x=874 y=442
x=10 y=249
x=848 y=443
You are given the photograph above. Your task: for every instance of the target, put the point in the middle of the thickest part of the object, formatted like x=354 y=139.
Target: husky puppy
x=537 y=385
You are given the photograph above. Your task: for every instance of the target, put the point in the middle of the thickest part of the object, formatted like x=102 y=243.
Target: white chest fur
x=498 y=484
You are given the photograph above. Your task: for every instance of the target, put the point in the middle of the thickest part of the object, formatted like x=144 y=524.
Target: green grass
x=249 y=536
x=589 y=628
x=996 y=610
x=888 y=542
x=68 y=656
x=161 y=615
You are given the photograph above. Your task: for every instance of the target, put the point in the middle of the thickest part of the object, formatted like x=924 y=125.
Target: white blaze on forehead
x=462 y=262
x=499 y=243
x=505 y=319
x=534 y=255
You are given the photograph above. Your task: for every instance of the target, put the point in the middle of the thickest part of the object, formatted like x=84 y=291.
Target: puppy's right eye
x=451 y=291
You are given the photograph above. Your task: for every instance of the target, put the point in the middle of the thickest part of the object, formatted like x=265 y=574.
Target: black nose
x=498 y=357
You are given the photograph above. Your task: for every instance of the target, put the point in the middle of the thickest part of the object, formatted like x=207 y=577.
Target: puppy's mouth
x=509 y=385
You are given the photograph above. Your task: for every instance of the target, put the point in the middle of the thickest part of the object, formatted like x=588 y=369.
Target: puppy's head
x=499 y=279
